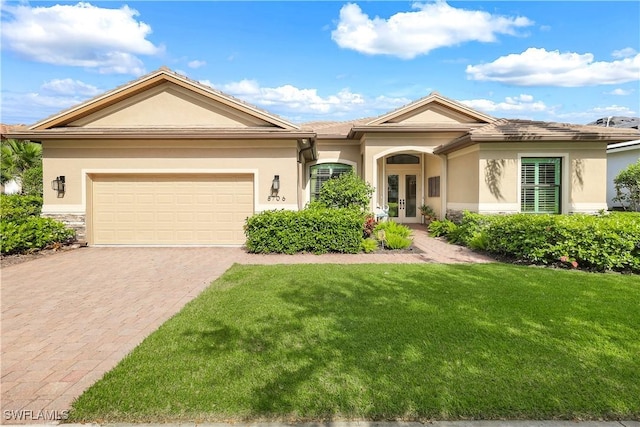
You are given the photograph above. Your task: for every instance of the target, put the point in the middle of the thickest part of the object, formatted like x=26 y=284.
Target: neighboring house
x=11 y=187
x=166 y=160
x=619 y=157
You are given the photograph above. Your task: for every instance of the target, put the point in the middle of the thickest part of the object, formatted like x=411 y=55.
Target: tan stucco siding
x=433 y=114
x=378 y=145
x=433 y=168
x=583 y=183
x=588 y=177
x=462 y=178
x=329 y=151
x=76 y=159
x=168 y=105
x=339 y=151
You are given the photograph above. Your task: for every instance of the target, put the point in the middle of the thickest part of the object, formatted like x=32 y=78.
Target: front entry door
x=402 y=196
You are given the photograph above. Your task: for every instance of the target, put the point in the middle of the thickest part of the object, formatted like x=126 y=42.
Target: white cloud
x=619 y=92
x=430 y=26
x=80 y=35
x=196 y=63
x=539 y=67
x=624 y=53
x=52 y=96
x=300 y=104
x=70 y=87
x=292 y=99
x=518 y=105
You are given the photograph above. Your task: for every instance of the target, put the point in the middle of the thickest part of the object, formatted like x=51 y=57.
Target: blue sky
x=571 y=61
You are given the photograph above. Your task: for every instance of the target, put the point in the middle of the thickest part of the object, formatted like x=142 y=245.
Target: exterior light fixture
x=275 y=189
x=58 y=185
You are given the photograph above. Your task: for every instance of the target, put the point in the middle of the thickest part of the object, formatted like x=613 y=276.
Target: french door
x=403 y=189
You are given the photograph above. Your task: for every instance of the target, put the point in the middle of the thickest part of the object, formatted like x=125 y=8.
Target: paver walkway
x=70 y=317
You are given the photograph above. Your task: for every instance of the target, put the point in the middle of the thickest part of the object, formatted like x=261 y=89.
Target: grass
x=379 y=342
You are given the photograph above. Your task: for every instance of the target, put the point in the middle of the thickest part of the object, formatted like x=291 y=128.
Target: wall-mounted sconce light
x=58 y=185
x=275 y=189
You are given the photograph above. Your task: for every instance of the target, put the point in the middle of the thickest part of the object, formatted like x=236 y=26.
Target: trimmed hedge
x=23 y=230
x=318 y=230
x=601 y=243
x=14 y=207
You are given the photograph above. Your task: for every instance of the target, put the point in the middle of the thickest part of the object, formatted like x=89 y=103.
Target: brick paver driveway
x=69 y=318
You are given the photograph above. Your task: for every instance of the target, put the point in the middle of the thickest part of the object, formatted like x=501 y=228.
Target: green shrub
x=396 y=236
x=22 y=229
x=32 y=181
x=627 y=185
x=346 y=191
x=391 y=227
x=610 y=242
x=369 y=245
x=442 y=228
x=315 y=229
x=31 y=234
x=470 y=229
x=17 y=208
x=396 y=241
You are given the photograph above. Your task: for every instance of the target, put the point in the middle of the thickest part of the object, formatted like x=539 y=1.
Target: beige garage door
x=170 y=209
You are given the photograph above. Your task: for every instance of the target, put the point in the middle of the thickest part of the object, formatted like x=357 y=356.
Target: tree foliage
x=346 y=191
x=32 y=181
x=628 y=187
x=17 y=158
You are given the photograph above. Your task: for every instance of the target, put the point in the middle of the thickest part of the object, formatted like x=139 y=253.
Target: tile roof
x=335 y=129
x=531 y=129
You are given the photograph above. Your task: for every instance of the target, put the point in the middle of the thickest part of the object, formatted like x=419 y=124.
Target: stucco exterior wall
x=378 y=145
x=76 y=159
x=583 y=182
x=169 y=105
x=433 y=167
x=330 y=151
x=462 y=179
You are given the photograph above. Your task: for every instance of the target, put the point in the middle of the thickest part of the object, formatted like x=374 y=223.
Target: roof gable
x=164 y=99
x=169 y=105
x=433 y=109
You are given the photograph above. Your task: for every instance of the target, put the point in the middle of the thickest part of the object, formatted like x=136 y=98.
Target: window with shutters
x=322 y=173
x=540 y=183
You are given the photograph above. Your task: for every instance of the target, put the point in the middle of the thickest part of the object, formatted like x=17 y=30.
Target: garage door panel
x=171 y=209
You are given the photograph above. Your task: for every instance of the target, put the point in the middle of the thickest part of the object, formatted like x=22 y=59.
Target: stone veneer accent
x=75 y=221
x=454 y=215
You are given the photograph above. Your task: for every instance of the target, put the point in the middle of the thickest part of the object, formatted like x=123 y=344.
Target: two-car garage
x=169 y=209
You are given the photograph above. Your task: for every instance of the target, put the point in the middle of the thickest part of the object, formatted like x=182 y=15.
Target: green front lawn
x=320 y=342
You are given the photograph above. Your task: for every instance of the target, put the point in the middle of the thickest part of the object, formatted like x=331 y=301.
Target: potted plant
x=428 y=213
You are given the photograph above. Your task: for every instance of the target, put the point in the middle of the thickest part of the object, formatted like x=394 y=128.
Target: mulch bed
x=13 y=259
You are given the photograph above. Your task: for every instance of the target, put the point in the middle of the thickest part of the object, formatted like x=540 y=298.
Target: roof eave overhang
x=469 y=140
x=357 y=131
x=157 y=134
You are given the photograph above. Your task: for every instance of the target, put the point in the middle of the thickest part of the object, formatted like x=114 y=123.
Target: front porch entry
x=403 y=187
